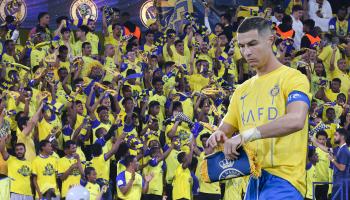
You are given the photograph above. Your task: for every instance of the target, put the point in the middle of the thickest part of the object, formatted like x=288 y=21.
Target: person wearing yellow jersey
x=88 y=60
x=92 y=37
x=341 y=73
x=19 y=169
x=89 y=182
x=44 y=168
x=110 y=65
x=311 y=175
x=25 y=127
x=329 y=94
x=183 y=182
x=69 y=167
x=149 y=46
x=10 y=52
x=326 y=54
x=322 y=167
x=269 y=112
x=81 y=36
x=158 y=96
x=101 y=161
x=198 y=81
x=169 y=45
x=207 y=191
x=156 y=167
x=130 y=184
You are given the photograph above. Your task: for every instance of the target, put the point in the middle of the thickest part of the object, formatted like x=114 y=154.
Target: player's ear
x=270 y=39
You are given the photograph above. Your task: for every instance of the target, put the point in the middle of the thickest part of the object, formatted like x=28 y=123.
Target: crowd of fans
x=103 y=112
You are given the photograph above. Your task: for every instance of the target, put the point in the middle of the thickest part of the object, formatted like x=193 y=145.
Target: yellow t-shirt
x=262 y=99
x=234 y=188
x=332 y=96
x=77 y=48
x=166 y=56
x=94 y=40
x=8 y=58
x=182 y=183
x=94 y=190
x=85 y=72
x=44 y=129
x=45 y=169
x=171 y=165
x=73 y=179
x=36 y=56
x=156 y=184
x=109 y=66
x=197 y=82
x=326 y=55
x=20 y=171
x=321 y=168
x=135 y=191
x=101 y=166
x=311 y=177
x=161 y=99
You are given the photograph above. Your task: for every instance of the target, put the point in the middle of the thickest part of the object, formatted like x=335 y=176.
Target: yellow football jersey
x=73 y=179
x=94 y=40
x=262 y=99
x=311 y=176
x=94 y=190
x=45 y=169
x=321 y=168
x=326 y=55
x=101 y=166
x=20 y=171
x=135 y=191
x=182 y=183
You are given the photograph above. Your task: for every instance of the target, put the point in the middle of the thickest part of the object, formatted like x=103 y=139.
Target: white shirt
x=326 y=11
x=275 y=20
x=298 y=28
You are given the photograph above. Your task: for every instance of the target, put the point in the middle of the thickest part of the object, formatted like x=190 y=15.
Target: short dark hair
x=297 y=8
x=227 y=16
x=156 y=80
x=42 y=144
x=62 y=48
x=20 y=144
x=85 y=44
x=101 y=108
x=181 y=157
x=252 y=23
x=67 y=144
x=42 y=14
x=84 y=28
x=60 y=18
x=321 y=133
x=88 y=170
x=126 y=99
x=153 y=104
x=115 y=25
x=22 y=121
x=176 y=105
x=287 y=19
x=310 y=23
x=128 y=160
x=178 y=42
x=205 y=135
x=65 y=29
x=337 y=80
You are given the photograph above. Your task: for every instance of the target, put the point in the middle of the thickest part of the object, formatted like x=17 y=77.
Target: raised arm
x=33 y=121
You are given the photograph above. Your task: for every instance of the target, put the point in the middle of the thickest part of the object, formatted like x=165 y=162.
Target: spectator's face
x=312 y=54
x=117 y=30
x=299 y=14
x=129 y=105
x=116 y=16
x=204 y=142
x=337 y=138
x=92 y=176
x=322 y=139
x=48 y=148
x=150 y=38
x=158 y=86
x=180 y=47
x=63 y=74
x=319 y=68
x=223 y=40
x=255 y=47
x=341 y=14
x=335 y=86
x=64 y=54
x=330 y=114
x=11 y=46
x=66 y=35
x=134 y=164
x=279 y=16
x=79 y=33
x=87 y=50
x=342 y=64
x=20 y=152
x=45 y=20
x=72 y=149
x=103 y=115
x=80 y=108
x=106 y=102
x=131 y=55
x=92 y=25
x=218 y=30
x=110 y=50
x=341 y=99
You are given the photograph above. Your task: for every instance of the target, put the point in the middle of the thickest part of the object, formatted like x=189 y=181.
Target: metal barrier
x=339 y=193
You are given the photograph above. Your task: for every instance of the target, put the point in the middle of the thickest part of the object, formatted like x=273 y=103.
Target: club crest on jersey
x=275 y=91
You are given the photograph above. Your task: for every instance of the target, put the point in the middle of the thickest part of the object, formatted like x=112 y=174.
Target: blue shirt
x=342 y=157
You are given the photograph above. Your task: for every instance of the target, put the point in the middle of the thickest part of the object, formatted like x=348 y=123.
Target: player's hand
x=230 y=147
x=330 y=157
x=149 y=177
x=217 y=136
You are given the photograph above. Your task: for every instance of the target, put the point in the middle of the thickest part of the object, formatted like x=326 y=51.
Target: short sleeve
x=231 y=116
x=60 y=166
x=325 y=53
x=95 y=123
x=343 y=157
x=34 y=167
x=153 y=162
x=121 y=180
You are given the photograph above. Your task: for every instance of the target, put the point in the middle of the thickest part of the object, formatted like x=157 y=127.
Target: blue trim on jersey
x=298 y=96
x=120 y=180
